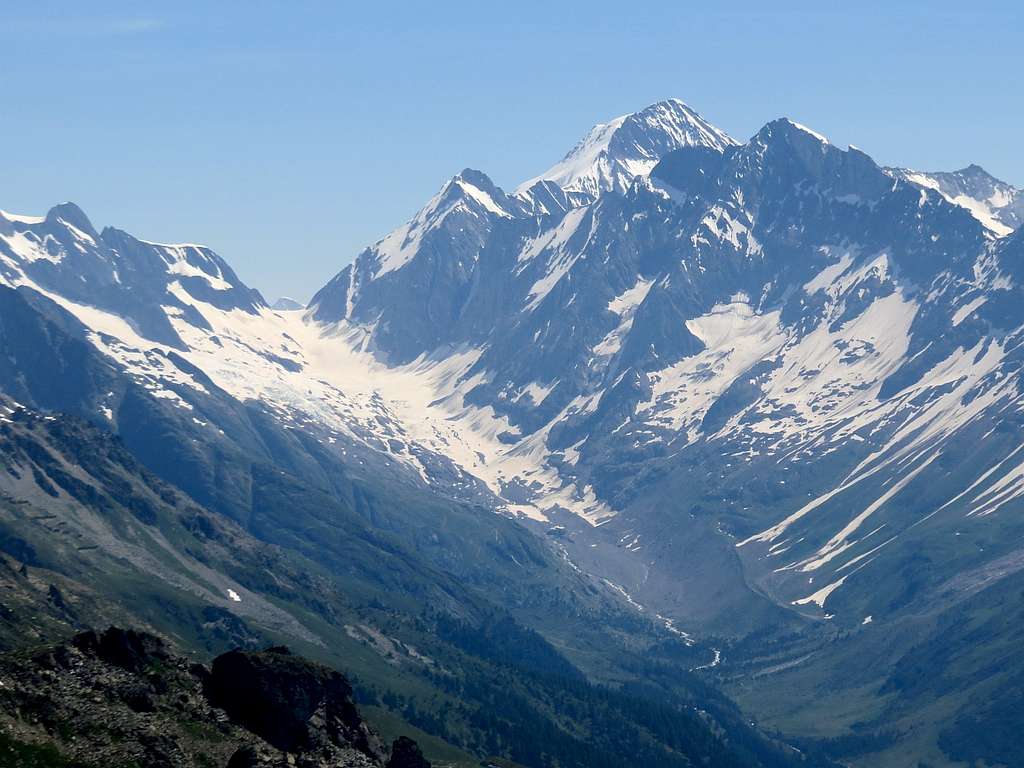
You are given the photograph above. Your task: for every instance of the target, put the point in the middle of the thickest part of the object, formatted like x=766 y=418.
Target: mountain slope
x=91 y=537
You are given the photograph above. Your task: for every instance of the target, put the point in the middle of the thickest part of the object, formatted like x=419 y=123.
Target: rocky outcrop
x=405 y=753
x=121 y=697
x=293 y=704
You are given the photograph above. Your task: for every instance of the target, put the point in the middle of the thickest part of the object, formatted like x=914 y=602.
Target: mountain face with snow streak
x=750 y=386
x=996 y=204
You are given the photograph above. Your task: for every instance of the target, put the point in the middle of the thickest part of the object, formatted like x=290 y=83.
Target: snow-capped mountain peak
x=456 y=222
x=62 y=254
x=804 y=129
x=786 y=131
x=612 y=154
x=996 y=204
x=469 y=194
x=70 y=214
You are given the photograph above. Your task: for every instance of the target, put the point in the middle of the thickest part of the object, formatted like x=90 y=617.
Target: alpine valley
x=685 y=451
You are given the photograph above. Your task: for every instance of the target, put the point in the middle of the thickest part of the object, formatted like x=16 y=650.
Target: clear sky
x=288 y=135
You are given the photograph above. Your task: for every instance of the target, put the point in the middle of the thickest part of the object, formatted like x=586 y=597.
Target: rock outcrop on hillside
x=122 y=697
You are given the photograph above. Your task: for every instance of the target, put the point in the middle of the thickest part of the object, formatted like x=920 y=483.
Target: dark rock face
x=292 y=703
x=121 y=697
x=124 y=648
x=405 y=753
x=248 y=757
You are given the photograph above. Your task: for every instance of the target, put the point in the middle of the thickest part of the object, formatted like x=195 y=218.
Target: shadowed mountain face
x=764 y=393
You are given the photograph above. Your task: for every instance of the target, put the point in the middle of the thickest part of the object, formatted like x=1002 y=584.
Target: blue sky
x=289 y=135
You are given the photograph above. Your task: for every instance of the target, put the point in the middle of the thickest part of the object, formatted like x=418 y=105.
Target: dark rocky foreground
x=122 y=698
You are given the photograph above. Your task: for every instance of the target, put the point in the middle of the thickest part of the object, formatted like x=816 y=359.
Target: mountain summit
x=443 y=244
x=616 y=152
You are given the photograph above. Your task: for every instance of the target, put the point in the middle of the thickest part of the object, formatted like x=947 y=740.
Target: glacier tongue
x=322 y=378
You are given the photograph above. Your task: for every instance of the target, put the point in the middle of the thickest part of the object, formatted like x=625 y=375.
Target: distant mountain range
x=763 y=397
